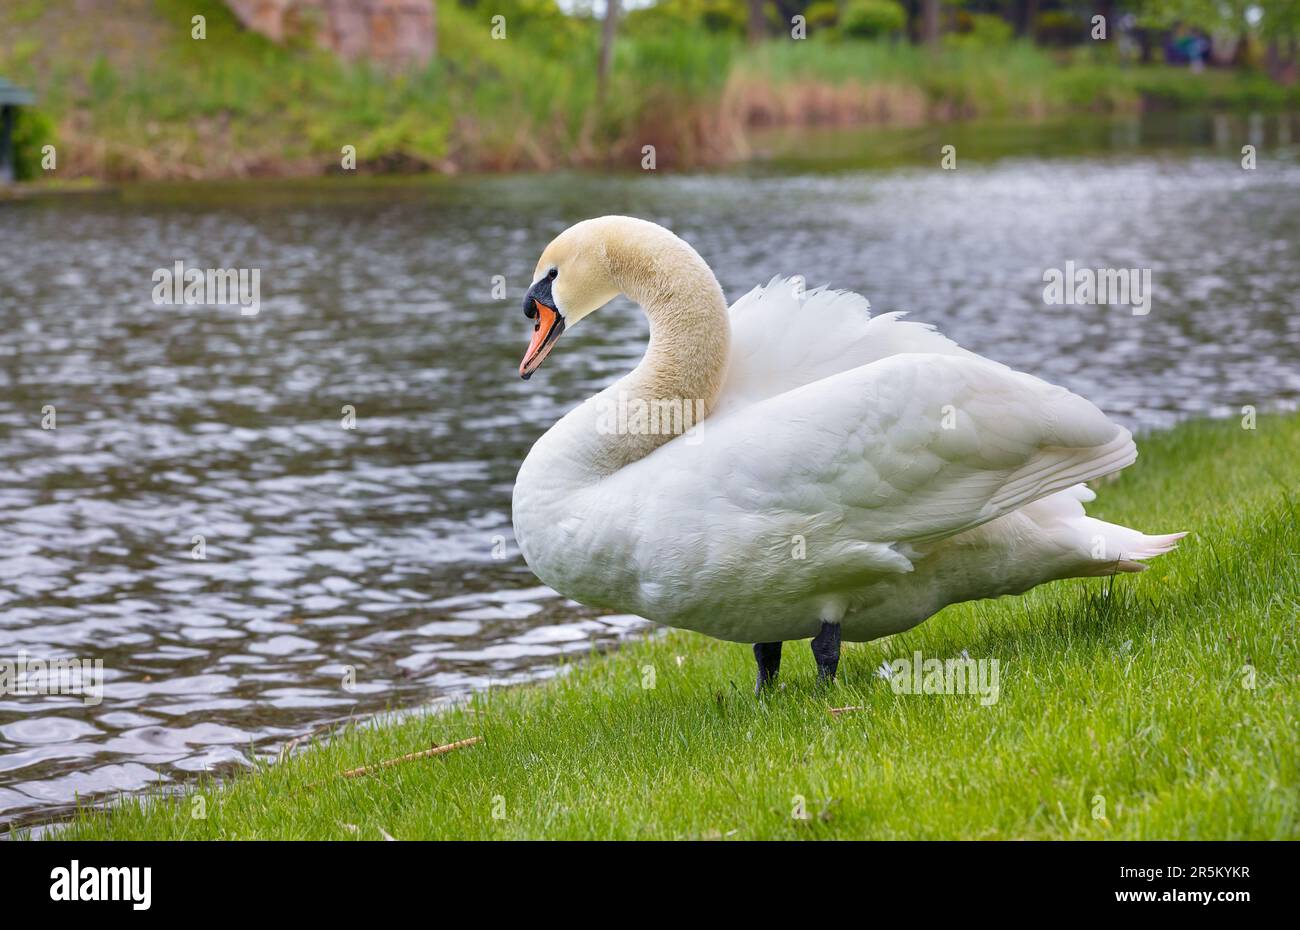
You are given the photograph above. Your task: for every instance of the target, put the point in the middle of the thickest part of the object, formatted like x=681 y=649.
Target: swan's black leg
x=826 y=650
x=768 y=656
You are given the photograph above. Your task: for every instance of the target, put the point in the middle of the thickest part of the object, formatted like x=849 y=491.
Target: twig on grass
x=409 y=757
x=836 y=711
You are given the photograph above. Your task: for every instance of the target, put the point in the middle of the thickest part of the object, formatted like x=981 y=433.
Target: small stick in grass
x=836 y=711
x=409 y=757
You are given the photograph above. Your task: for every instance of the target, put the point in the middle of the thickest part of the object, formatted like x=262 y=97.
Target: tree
x=607 y=44
x=757 y=23
x=930 y=21
x=1027 y=12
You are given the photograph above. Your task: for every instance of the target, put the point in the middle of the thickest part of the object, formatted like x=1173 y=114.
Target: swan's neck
x=683 y=368
x=677 y=382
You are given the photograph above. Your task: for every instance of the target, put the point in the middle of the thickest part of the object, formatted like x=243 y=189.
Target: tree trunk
x=1107 y=10
x=930 y=21
x=757 y=22
x=1025 y=21
x=607 y=43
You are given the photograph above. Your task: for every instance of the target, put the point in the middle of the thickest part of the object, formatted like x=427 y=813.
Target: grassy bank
x=1161 y=705
x=128 y=94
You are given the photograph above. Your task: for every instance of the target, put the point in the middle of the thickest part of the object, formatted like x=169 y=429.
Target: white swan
x=852 y=474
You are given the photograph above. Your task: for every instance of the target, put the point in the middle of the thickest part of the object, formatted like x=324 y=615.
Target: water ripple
x=382 y=555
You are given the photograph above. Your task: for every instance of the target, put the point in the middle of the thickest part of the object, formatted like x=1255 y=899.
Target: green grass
x=134 y=96
x=1132 y=690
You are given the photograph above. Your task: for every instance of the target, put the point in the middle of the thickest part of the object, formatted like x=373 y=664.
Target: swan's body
x=852 y=474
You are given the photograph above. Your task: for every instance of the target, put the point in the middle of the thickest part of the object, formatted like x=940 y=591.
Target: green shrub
x=101 y=82
x=821 y=13
x=410 y=139
x=32 y=131
x=869 y=19
x=723 y=16
x=671 y=16
x=1058 y=27
x=983 y=30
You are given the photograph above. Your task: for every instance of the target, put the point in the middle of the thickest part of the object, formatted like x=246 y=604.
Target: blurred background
x=386 y=551
x=277 y=87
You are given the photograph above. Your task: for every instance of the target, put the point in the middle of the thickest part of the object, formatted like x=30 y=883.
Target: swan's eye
x=552 y=273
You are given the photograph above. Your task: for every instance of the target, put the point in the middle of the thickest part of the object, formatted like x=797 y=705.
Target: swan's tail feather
x=1097 y=547
x=1124 y=549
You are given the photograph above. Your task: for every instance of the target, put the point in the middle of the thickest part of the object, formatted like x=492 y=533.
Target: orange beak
x=546 y=330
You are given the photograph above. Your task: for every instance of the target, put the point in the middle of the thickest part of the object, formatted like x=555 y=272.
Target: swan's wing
x=783 y=337
x=904 y=451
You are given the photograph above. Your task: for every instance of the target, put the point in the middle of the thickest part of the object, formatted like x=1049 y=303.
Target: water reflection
x=374 y=549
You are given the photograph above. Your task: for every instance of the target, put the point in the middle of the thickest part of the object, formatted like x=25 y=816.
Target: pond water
x=386 y=549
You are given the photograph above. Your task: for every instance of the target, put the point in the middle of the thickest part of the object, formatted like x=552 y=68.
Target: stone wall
x=396 y=32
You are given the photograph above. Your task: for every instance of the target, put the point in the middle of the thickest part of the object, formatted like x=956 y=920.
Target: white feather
x=857 y=469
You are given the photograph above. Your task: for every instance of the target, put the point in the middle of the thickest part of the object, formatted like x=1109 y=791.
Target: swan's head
x=571 y=280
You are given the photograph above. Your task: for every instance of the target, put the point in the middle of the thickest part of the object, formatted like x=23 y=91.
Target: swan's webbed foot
x=768 y=656
x=826 y=650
